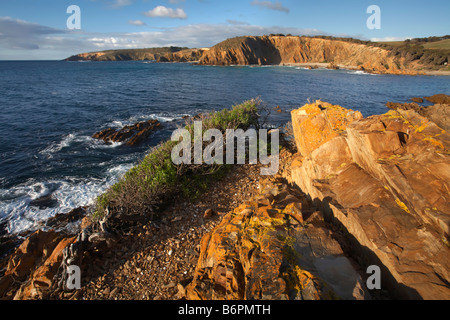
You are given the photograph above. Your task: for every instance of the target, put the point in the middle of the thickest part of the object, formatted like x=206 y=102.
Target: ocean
x=50 y=110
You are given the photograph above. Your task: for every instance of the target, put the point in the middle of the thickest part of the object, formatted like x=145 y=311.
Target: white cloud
x=278 y=6
x=137 y=22
x=25 y=40
x=164 y=12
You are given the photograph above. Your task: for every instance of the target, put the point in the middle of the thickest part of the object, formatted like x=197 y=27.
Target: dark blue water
x=49 y=111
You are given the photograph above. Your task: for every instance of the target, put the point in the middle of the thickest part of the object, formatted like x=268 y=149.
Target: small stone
x=208 y=214
x=113 y=292
x=169 y=285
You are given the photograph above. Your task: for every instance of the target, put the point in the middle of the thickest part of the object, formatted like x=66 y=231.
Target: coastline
x=165 y=258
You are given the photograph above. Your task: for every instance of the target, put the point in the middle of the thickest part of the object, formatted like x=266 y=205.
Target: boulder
x=385 y=180
x=267 y=249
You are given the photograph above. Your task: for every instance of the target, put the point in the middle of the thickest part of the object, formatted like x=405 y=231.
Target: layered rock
x=273 y=248
x=438 y=113
x=131 y=135
x=386 y=180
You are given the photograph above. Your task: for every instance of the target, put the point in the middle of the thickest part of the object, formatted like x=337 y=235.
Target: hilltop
x=162 y=54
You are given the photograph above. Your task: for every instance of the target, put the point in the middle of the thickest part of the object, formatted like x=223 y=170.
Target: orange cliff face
x=275 y=50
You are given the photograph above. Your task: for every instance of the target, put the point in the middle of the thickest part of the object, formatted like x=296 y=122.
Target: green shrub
x=147 y=187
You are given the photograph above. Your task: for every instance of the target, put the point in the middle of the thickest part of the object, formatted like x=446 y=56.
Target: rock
x=439 y=99
x=315 y=124
x=385 y=179
x=208 y=214
x=44 y=202
x=256 y=254
x=417 y=100
x=60 y=221
x=169 y=285
x=42 y=278
x=28 y=255
x=404 y=106
x=438 y=113
x=332 y=66
x=34 y=263
x=131 y=135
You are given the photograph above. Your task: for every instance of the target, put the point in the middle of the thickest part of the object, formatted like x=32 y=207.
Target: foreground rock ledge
x=386 y=179
x=265 y=250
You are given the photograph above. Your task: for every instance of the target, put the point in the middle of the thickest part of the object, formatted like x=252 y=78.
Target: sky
x=38 y=29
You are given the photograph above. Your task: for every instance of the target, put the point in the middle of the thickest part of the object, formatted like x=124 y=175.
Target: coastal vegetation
x=148 y=186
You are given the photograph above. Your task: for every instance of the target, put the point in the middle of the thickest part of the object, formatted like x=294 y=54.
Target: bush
x=147 y=187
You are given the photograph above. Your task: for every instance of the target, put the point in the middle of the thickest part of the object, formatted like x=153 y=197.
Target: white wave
x=70 y=193
x=100 y=144
x=58 y=146
x=360 y=72
x=66 y=141
x=161 y=117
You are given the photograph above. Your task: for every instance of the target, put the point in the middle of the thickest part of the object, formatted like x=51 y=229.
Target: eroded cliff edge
x=276 y=50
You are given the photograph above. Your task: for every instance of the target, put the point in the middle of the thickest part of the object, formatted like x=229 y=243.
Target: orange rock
x=256 y=254
x=42 y=278
x=315 y=124
x=30 y=253
x=386 y=180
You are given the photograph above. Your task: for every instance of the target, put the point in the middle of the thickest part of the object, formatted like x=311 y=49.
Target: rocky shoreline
x=285 y=50
x=352 y=193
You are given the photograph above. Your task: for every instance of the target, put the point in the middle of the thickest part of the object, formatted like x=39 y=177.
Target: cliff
x=275 y=50
x=279 y=49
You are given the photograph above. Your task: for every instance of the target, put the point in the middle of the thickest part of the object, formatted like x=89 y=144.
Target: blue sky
x=36 y=29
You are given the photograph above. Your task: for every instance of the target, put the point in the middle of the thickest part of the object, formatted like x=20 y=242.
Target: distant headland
x=412 y=57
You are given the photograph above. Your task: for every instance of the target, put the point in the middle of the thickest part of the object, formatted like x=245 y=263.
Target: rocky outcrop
x=275 y=50
x=31 y=268
x=439 y=99
x=274 y=247
x=385 y=180
x=131 y=135
x=438 y=113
